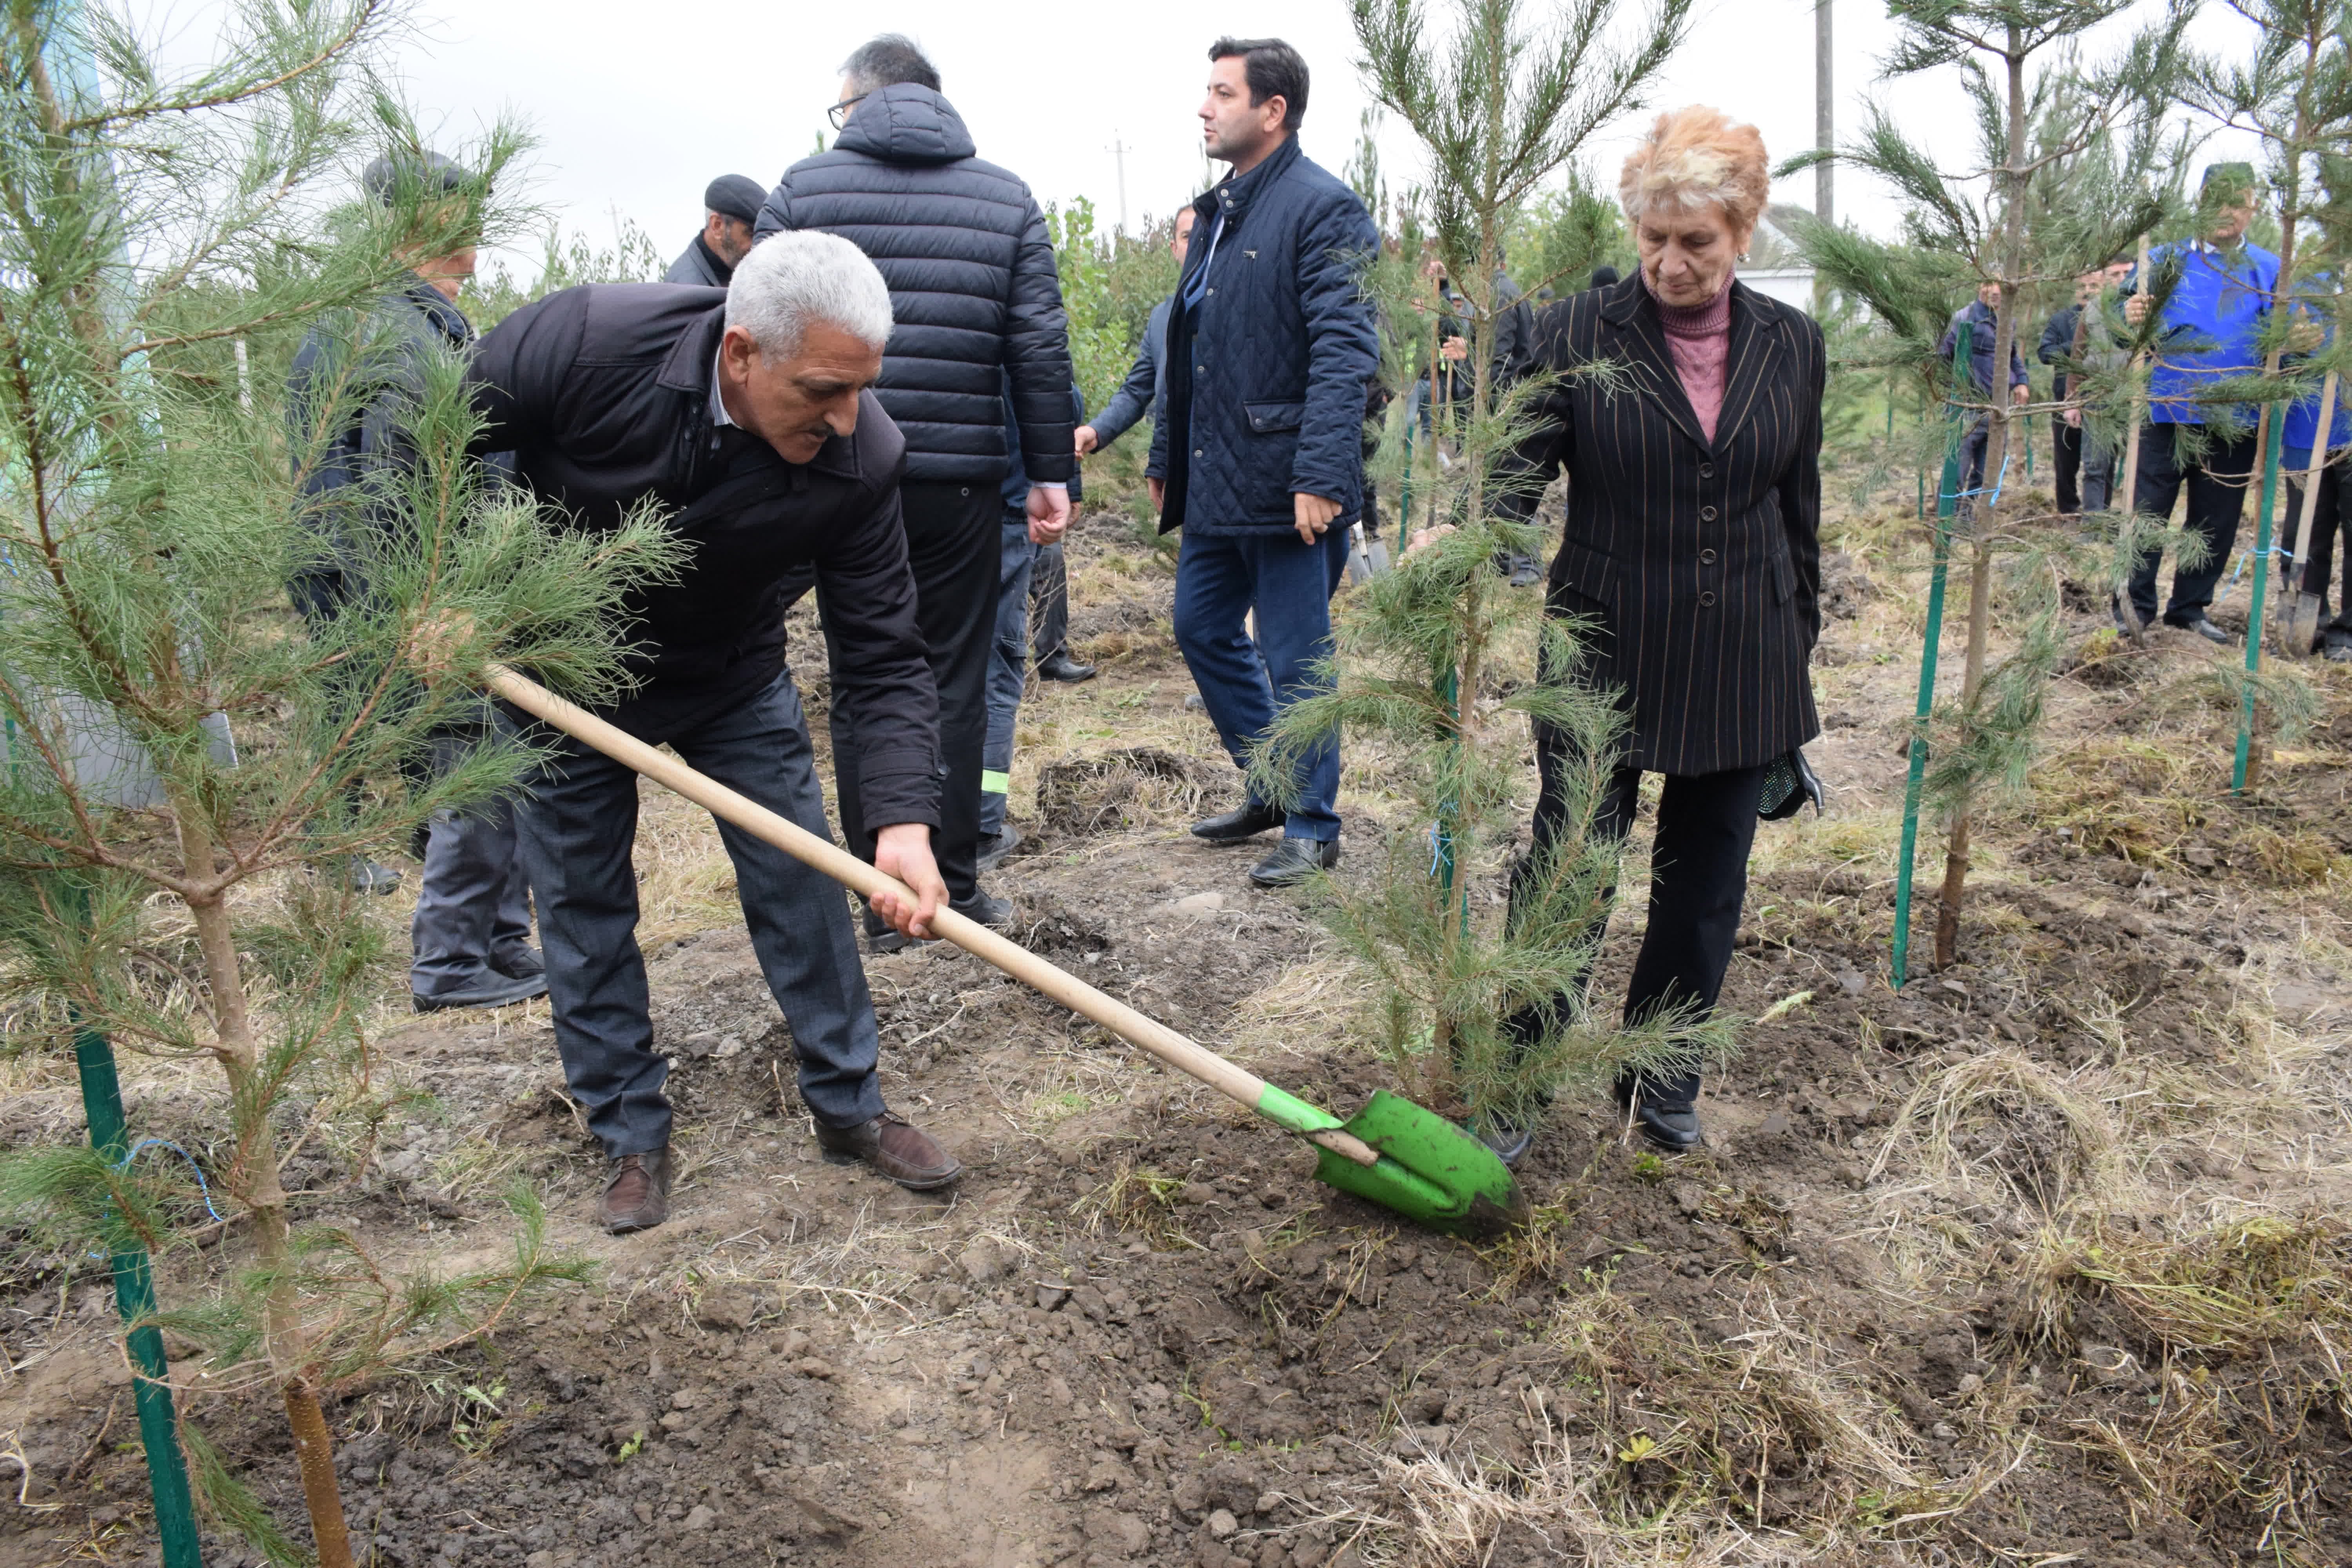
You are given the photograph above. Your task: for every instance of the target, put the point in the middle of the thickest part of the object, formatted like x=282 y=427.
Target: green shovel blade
x=1430 y=1169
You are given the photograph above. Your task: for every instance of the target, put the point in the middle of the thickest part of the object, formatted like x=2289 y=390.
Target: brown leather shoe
x=894 y=1146
x=636 y=1193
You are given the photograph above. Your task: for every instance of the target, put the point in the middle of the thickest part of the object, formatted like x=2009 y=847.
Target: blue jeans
x=579 y=820
x=1220 y=578
x=1008 y=673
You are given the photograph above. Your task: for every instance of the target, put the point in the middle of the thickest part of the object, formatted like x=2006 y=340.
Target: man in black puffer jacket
x=964 y=250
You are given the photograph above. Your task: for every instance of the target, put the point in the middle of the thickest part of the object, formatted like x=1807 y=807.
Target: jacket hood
x=906 y=124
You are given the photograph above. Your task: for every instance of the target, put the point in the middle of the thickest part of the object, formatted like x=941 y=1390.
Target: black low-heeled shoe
x=1670 y=1124
x=1509 y=1142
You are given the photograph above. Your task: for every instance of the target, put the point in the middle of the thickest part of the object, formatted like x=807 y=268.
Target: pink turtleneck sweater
x=1699 y=337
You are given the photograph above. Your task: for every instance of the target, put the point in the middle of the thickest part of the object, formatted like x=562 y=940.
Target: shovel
x=1393 y=1151
x=2300 y=609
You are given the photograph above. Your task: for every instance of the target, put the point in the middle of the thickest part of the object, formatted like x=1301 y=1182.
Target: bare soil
x=2039 y=1260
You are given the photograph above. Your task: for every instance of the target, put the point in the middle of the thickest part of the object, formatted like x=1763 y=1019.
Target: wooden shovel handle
x=2303 y=540
x=1184 y=1054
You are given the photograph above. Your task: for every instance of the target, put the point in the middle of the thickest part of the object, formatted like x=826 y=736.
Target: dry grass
x=2001 y=1121
x=2165 y=803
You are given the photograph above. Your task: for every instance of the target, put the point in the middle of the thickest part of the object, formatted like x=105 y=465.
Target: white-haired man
x=746 y=416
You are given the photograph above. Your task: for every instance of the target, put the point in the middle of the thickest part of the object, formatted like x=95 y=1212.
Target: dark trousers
x=579 y=823
x=473 y=905
x=2216 y=483
x=1973 y=448
x=471 y=902
x=2066 y=464
x=2331 y=516
x=1049 y=600
x=952 y=548
x=1220 y=579
x=1698 y=879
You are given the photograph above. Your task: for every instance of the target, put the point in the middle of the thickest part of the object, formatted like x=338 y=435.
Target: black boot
x=1295 y=861
x=1233 y=827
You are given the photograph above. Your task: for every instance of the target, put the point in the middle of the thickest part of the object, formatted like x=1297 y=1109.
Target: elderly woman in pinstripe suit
x=1692 y=543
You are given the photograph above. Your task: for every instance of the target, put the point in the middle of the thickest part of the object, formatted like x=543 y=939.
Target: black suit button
x=1706 y=514
x=1707 y=557
x=1707 y=599
x=1707 y=471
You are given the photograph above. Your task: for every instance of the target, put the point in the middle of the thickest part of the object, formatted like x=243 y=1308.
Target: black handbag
x=1789 y=784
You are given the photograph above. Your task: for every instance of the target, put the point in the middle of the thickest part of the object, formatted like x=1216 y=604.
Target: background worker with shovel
x=747 y=414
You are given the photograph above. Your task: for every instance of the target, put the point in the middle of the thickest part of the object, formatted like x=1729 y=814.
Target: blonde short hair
x=1692 y=157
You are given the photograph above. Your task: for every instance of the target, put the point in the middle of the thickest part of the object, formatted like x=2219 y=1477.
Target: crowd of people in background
x=858 y=382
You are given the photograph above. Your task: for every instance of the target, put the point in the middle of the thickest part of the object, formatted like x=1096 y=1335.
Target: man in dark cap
x=730 y=203
x=471 y=936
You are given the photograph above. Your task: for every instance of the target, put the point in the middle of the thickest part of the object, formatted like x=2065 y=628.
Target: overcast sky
x=636 y=106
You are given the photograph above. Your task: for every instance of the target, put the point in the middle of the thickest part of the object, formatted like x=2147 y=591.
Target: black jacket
x=699 y=265
x=1268 y=369
x=1701 y=562
x=376 y=366
x=972 y=284
x=604 y=392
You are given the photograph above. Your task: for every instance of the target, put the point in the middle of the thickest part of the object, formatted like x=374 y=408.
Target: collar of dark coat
x=1234 y=193
x=688 y=368
x=438 y=309
x=1755 y=346
x=720 y=269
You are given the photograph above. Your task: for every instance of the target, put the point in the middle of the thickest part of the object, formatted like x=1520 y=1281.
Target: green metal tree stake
x=1948 y=495
x=2276 y=423
x=135 y=1298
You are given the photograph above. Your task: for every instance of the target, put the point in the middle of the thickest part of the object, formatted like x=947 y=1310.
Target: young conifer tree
x=165 y=241
x=2037 y=114
x=1441 y=656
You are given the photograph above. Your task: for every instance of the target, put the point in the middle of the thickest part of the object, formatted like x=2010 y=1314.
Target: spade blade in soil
x=1430 y=1169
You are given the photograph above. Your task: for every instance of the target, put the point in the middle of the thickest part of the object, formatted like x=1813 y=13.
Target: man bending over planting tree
x=745 y=413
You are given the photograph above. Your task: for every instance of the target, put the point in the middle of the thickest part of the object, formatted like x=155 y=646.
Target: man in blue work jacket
x=1260 y=456
x=2213 y=325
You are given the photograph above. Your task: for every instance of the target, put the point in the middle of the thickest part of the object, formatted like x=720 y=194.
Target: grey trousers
x=578 y=826
x=473 y=904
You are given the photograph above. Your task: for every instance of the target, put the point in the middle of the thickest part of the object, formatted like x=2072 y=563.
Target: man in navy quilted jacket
x=963 y=247
x=1259 y=457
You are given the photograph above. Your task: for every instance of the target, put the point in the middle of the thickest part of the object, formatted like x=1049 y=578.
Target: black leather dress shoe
x=1670 y=1124
x=2204 y=628
x=491 y=990
x=985 y=909
x=1510 y=1143
x=995 y=847
x=1060 y=666
x=520 y=962
x=1231 y=826
x=1295 y=861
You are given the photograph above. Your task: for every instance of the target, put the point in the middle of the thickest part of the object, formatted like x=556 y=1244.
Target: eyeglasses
x=839 y=113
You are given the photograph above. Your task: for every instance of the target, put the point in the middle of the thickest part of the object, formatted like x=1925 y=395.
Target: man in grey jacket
x=731 y=204
x=471 y=936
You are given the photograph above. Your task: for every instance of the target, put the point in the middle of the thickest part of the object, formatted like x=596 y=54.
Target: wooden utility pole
x=1824 y=117
x=1118 y=157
